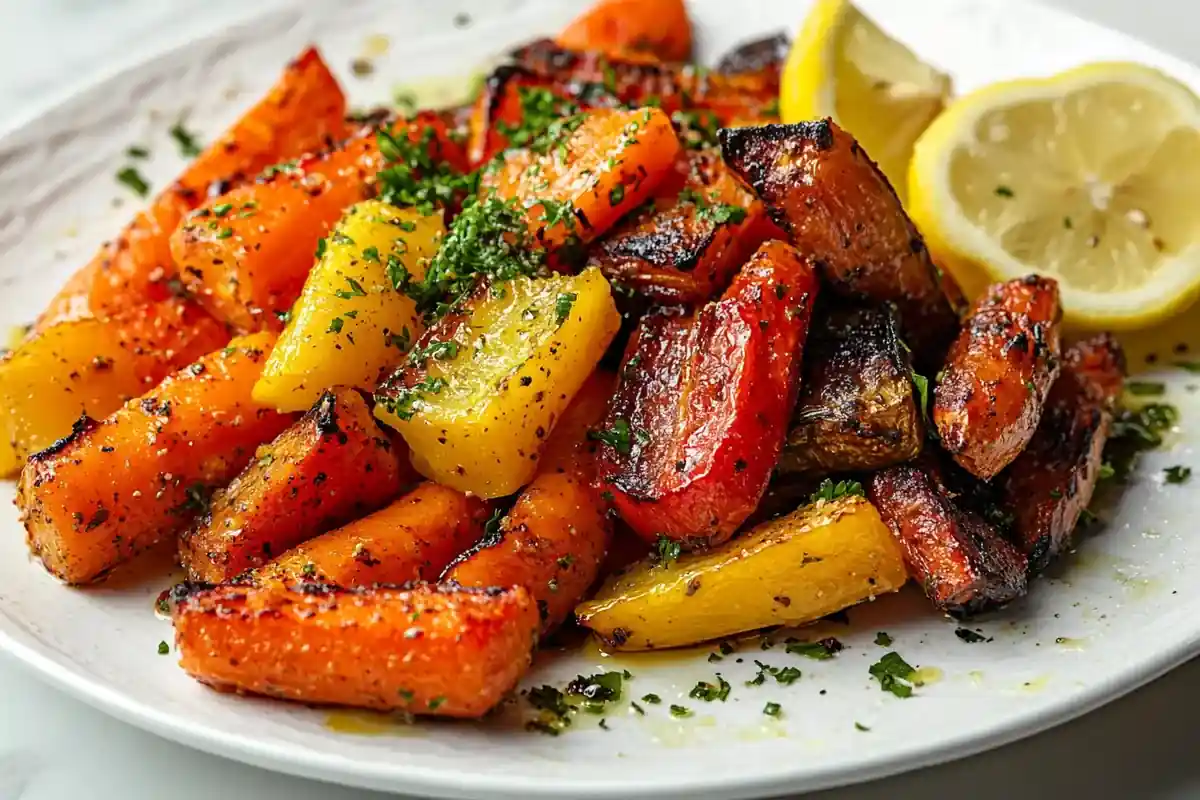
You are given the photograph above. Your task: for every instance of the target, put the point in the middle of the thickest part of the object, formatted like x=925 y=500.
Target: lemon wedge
x=843 y=66
x=1091 y=176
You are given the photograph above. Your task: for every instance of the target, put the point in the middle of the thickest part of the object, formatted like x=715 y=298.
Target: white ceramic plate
x=1122 y=610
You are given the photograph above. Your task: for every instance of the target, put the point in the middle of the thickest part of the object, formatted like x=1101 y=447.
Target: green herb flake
x=666 y=550
x=616 y=195
x=185 y=140
x=221 y=209
x=921 y=384
x=1004 y=191
x=858 y=726
x=131 y=178
x=969 y=636
x=818 y=651
x=618 y=436
x=371 y=254
x=1177 y=474
x=709 y=692
x=894 y=674
x=225 y=233
x=355 y=290
x=163 y=648
x=1145 y=388
x=652 y=699
x=562 y=306
x=335 y=325
x=772 y=710
x=829 y=491
x=137 y=151
x=322 y=246
x=680 y=712
x=883 y=639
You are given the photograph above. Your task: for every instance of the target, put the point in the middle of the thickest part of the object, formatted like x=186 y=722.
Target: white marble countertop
x=53 y=747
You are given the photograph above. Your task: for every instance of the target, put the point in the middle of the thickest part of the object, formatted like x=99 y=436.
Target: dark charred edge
x=324 y=414
x=1040 y=553
x=79 y=429
x=735 y=142
x=756 y=55
x=495 y=85
x=544 y=52
x=666 y=246
x=488 y=540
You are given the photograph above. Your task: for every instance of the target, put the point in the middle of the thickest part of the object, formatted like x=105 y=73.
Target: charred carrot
x=413 y=539
x=586 y=172
x=557 y=534
x=659 y=28
x=114 y=488
x=92 y=366
x=448 y=652
x=334 y=465
x=303 y=112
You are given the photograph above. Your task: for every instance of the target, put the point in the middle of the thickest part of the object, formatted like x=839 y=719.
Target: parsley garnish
x=680 y=711
x=894 y=674
x=335 y=325
x=921 y=384
x=409 y=400
x=1145 y=388
x=820 y=651
x=828 y=490
x=355 y=290
x=617 y=436
x=772 y=709
x=163 y=648
x=1177 y=474
x=414 y=178
x=709 y=692
x=129 y=176
x=652 y=699
x=185 y=140
x=969 y=636
x=137 y=151
x=1004 y=191
x=883 y=639
x=562 y=306
x=666 y=550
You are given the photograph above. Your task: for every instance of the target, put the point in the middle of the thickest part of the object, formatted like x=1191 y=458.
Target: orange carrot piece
x=413 y=539
x=558 y=532
x=439 y=651
x=303 y=112
x=114 y=488
x=631 y=28
x=334 y=465
x=603 y=164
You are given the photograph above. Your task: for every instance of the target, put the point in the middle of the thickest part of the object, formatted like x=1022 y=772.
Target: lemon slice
x=1091 y=176
x=843 y=66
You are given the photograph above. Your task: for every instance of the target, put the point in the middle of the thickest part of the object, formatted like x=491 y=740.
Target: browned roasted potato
x=1050 y=484
x=334 y=465
x=857 y=409
x=964 y=565
x=685 y=247
x=837 y=207
x=989 y=396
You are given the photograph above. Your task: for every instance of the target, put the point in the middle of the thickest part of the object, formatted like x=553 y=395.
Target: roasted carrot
x=586 y=172
x=114 y=488
x=413 y=539
x=440 y=651
x=303 y=112
x=245 y=254
x=557 y=534
x=515 y=106
x=91 y=366
x=659 y=28
x=990 y=393
x=333 y=466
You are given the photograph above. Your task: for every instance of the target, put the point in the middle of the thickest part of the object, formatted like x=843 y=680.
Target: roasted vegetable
x=555 y=538
x=858 y=410
x=990 y=394
x=701 y=413
x=484 y=387
x=763 y=56
x=687 y=245
x=351 y=325
x=586 y=172
x=425 y=650
x=246 y=254
x=657 y=28
x=302 y=113
x=1051 y=482
x=114 y=488
x=795 y=569
x=90 y=367
x=333 y=466
x=838 y=208
x=964 y=565
x=413 y=539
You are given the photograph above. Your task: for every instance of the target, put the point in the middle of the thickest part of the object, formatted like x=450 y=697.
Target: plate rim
x=408 y=777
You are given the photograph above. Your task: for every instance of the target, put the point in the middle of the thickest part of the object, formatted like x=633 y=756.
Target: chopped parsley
x=221 y=209
x=828 y=490
x=137 y=151
x=921 y=384
x=1177 y=474
x=680 y=712
x=185 y=140
x=969 y=636
x=894 y=674
x=697 y=129
x=1004 y=191
x=408 y=400
x=562 y=306
x=540 y=108
x=413 y=177
x=1135 y=431
x=335 y=325
x=355 y=290
x=709 y=692
x=618 y=436
x=1190 y=366
x=858 y=726
x=708 y=209
x=163 y=648
x=1145 y=388
x=772 y=709
x=666 y=550
x=652 y=699
x=783 y=675
x=591 y=694
x=819 y=650
x=883 y=639
x=616 y=195
x=130 y=177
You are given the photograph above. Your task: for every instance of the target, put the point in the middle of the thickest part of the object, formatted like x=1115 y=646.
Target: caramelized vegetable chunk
x=857 y=409
x=990 y=394
x=658 y=28
x=1051 y=482
x=556 y=536
x=838 y=207
x=586 y=172
x=687 y=245
x=763 y=56
x=113 y=489
x=964 y=565
x=820 y=559
x=90 y=367
x=413 y=539
x=351 y=325
x=303 y=112
x=484 y=387
x=446 y=652
x=701 y=413
x=331 y=467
